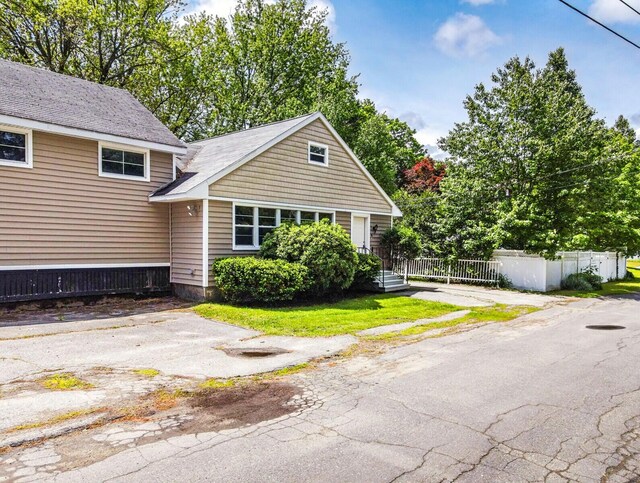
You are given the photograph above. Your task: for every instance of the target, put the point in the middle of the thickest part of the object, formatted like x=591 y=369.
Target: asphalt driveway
x=542 y=398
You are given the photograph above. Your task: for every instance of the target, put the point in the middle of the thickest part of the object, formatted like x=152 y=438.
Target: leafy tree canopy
x=203 y=75
x=535 y=169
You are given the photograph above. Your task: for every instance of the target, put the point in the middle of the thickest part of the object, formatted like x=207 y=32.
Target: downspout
x=205 y=243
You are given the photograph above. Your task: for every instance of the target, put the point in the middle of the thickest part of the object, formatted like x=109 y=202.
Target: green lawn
x=344 y=317
x=617 y=287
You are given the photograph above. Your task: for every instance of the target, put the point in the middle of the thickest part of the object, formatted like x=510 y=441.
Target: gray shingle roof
x=208 y=157
x=41 y=95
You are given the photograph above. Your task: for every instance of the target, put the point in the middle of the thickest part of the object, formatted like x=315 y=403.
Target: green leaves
x=534 y=168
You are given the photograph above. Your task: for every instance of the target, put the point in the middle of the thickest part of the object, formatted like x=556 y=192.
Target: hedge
x=250 y=279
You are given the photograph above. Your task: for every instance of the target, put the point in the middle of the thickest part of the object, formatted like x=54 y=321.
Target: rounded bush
x=324 y=248
x=250 y=279
x=585 y=281
x=366 y=271
x=402 y=241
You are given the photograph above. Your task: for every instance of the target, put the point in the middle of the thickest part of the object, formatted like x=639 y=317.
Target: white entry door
x=360 y=231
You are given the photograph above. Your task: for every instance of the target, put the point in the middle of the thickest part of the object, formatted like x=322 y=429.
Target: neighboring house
x=97 y=196
x=242 y=185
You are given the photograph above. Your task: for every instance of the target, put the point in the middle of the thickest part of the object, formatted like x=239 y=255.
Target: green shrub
x=586 y=280
x=366 y=270
x=250 y=279
x=402 y=241
x=324 y=248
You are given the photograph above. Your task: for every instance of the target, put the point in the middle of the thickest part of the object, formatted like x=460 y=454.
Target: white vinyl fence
x=533 y=272
x=457 y=271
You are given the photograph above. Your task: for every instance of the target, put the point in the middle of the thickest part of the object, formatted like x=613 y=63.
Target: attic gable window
x=123 y=162
x=15 y=147
x=318 y=154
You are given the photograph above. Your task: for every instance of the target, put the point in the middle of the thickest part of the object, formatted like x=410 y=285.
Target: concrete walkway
x=474 y=296
x=385 y=329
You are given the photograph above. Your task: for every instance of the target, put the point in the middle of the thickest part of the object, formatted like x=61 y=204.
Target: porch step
x=388 y=281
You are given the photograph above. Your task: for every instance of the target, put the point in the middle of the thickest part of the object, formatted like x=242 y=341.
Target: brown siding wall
x=283 y=174
x=221 y=232
x=383 y=223
x=186 y=244
x=62 y=212
x=343 y=218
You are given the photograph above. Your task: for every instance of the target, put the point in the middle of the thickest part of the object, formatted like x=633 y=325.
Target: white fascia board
x=92 y=135
x=296 y=206
x=199 y=192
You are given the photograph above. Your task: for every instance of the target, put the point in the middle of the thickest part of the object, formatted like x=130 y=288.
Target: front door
x=359 y=231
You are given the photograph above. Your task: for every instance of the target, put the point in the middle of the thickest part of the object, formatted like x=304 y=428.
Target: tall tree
x=531 y=150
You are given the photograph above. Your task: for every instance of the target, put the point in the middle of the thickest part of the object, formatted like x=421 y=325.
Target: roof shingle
x=41 y=95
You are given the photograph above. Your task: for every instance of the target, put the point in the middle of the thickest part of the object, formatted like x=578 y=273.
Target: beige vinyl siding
x=383 y=223
x=61 y=212
x=343 y=218
x=221 y=232
x=186 y=244
x=283 y=174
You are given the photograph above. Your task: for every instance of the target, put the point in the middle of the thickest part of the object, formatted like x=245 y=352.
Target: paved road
x=540 y=399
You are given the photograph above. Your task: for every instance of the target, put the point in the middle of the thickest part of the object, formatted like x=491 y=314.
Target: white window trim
x=28 y=162
x=256 y=217
x=318 y=145
x=131 y=149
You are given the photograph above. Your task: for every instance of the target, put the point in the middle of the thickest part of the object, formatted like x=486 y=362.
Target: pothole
x=253 y=352
x=605 y=327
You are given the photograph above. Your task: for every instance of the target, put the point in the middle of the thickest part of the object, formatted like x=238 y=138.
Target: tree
x=531 y=151
x=105 y=41
x=386 y=146
x=204 y=76
x=425 y=175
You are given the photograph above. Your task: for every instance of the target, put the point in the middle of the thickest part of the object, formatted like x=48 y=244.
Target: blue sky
x=418 y=59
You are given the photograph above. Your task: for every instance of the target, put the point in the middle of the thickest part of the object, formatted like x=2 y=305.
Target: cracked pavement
x=541 y=398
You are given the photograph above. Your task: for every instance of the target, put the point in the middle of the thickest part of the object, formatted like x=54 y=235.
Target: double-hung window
x=124 y=162
x=318 y=154
x=15 y=147
x=252 y=223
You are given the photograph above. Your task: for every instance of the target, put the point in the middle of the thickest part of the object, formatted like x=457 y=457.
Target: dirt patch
x=242 y=405
x=190 y=412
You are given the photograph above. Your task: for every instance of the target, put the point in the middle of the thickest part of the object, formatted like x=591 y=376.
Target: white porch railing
x=485 y=271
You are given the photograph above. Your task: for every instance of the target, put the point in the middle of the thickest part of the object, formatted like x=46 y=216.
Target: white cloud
x=413 y=119
x=224 y=8
x=219 y=8
x=614 y=11
x=331 y=11
x=465 y=36
x=477 y=3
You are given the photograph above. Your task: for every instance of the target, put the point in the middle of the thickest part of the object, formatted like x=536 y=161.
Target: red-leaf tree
x=425 y=175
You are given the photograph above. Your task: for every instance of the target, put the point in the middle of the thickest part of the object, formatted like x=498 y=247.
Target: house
x=236 y=188
x=97 y=196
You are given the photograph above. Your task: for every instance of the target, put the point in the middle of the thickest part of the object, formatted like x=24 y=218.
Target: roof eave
x=93 y=135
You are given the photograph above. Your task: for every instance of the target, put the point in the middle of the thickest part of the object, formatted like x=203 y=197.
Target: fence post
x=448 y=273
x=406 y=270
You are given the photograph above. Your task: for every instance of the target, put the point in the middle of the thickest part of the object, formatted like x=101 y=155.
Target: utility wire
x=601 y=24
x=622 y=1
